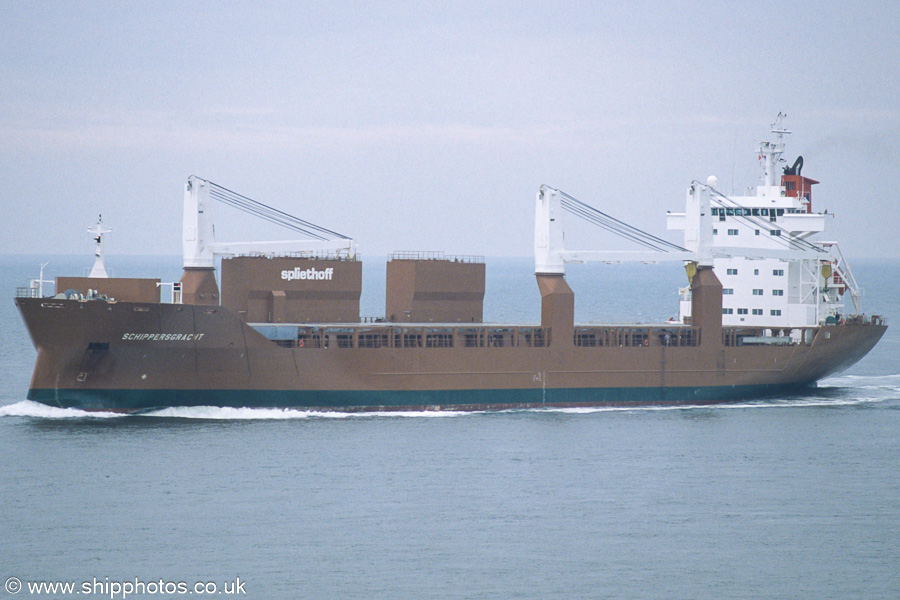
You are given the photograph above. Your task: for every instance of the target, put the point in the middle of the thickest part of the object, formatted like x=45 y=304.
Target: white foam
x=862 y=381
x=28 y=408
x=885 y=386
x=239 y=414
x=419 y=413
x=226 y=413
x=812 y=401
x=586 y=410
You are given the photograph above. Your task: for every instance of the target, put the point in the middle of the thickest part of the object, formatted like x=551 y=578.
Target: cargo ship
x=763 y=314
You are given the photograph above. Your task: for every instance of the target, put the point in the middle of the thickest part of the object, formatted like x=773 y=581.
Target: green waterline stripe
x=131 y=400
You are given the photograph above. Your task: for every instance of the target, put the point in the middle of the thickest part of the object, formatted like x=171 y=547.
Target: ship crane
x=198 y=282
x=551 y=254
x=199 y=244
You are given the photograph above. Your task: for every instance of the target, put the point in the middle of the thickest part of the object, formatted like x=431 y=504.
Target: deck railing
x=512 y=336
x=401 y=336
x=635 y=336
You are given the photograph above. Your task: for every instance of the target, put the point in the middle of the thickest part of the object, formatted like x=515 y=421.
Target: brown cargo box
x=425 y=287
x=261 y=289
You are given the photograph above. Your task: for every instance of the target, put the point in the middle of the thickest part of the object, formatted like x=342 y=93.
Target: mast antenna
x=98 y=230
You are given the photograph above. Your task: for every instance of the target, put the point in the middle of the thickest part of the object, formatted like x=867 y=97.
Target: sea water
x=793 y=497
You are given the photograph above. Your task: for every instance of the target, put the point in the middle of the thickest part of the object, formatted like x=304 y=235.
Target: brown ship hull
x=127 y=356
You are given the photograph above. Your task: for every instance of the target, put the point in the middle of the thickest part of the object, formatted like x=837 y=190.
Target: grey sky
x=425 y=126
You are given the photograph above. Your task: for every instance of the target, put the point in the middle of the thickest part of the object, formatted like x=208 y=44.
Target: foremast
x=98 y=231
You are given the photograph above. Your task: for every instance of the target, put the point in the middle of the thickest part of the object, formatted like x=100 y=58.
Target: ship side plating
x=133 y=356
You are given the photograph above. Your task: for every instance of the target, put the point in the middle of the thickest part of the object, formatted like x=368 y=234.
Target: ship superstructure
x=773 y=273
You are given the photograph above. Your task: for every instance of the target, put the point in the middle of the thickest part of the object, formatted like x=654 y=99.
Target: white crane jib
x=200 y=246
x=551 y=256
